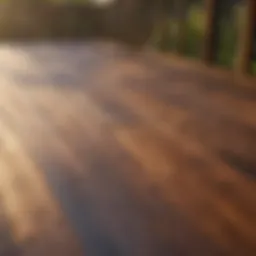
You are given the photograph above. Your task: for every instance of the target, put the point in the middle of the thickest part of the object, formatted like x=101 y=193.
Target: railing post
x=246 y=37
x=182 y=8
x=210 y=35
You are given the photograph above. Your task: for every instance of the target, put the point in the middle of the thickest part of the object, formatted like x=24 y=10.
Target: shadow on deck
x=110 y=151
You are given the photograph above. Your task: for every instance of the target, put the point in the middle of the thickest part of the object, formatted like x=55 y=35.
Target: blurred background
x=141 y=158
x=168 y=25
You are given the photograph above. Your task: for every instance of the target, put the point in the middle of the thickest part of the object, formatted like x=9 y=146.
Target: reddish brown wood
x=210 y=31
x=107 y=151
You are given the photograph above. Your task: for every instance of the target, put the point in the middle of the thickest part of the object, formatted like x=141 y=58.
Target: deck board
x=107 y=151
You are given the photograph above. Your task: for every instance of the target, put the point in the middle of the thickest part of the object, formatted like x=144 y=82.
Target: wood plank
x=37 y=225
x=125 y=155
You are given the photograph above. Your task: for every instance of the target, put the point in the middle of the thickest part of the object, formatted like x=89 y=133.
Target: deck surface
x=106 y=152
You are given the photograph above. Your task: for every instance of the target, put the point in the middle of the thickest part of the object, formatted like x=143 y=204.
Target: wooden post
x=164 y=32
x=246 y=38
x=210 y=36
x=182 y=9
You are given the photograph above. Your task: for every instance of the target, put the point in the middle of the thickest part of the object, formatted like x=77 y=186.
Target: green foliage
x=229 y=28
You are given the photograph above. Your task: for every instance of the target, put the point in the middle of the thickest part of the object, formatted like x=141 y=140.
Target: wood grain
x=108 y=151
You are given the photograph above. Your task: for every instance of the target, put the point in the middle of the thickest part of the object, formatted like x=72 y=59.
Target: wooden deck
x=105 y=152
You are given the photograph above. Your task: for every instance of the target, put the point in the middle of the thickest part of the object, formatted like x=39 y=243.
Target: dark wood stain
x=105 y=150
x=240 y=164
